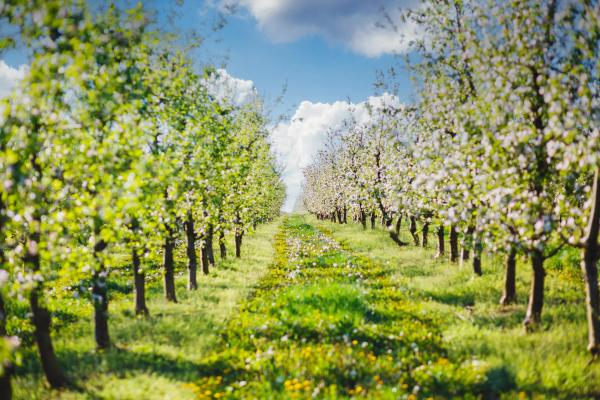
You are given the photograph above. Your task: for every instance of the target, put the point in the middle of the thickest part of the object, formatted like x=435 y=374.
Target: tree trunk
x=453 y=244
x=477 y=250
x=209 y=244
x=464 y=254
x=425 y=234
x=536 y=295
x=509 y=293
x=395 y=233
x=345 y=214
x=339 y=216
x=190 y=234
x=592 y=300
x=41 y=320
x=363 y=219
x=100 y=300
x=169 y=266
x=5 y=386
x=441 y=245
x=222 y=245
x=590 y=270
x=413 y=230
x=373 y=220
x=204 y=258
x=238 y=244
x=139 y=282
x=398 y=224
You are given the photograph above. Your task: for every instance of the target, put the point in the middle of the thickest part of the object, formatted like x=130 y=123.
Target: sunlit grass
x=326 y=323
x=154 y=357
x=314 y=316
x=551 y=362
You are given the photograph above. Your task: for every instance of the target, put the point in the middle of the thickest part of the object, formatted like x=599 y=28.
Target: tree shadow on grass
x=463 y=299
x=226 y=265
x=83 y=365
x=413 y=271
x=502 y=318
x=541 y=391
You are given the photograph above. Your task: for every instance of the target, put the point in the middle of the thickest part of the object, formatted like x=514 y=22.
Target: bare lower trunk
x=238 y=244
x=190 y=234
x=467 y=244
x=464 y=254
x=413 y=230
x=453 y=244
x=363 y=219
x=41 y=320
x=536 y=294
x=590 y=270
x=209 y=244
x=398 y=224
x=373 y=218
x=139 y=282
x=222 y=245
x=5 y=386
x=345 y=215
x=441 y=244
x=509 y=293
x=425 y=234
x=169 y=266
x=204 y=258
x=394 y=235
x=100 y=300
x=477 y=249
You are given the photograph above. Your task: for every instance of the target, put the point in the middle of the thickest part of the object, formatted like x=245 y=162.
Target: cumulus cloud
x=226 y=87
x=9 y=77
x=361 y=25
x=297 y=141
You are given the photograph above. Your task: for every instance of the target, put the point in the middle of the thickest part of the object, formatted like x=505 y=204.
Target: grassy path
x=157 y=356
x=551 y=363
x=327 y=323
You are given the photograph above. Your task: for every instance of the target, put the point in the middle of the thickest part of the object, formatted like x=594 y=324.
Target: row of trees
x=113 y=144
x=502 y=145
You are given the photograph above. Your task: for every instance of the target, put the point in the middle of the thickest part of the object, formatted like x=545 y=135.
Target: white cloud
x=297 y=141
x=9 y=77
x=361 y=25
x=226 y=87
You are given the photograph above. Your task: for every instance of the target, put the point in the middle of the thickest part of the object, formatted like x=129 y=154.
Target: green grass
x=549 y=363
x=316 y=309
x=328 y=323
x=155 y=357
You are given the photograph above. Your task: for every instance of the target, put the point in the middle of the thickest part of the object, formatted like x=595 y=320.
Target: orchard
x=112 y=144
x=447 y=246
x=501 y=149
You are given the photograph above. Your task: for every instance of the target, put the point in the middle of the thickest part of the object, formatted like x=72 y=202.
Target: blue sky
x=325 y=52
x=312 y=66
